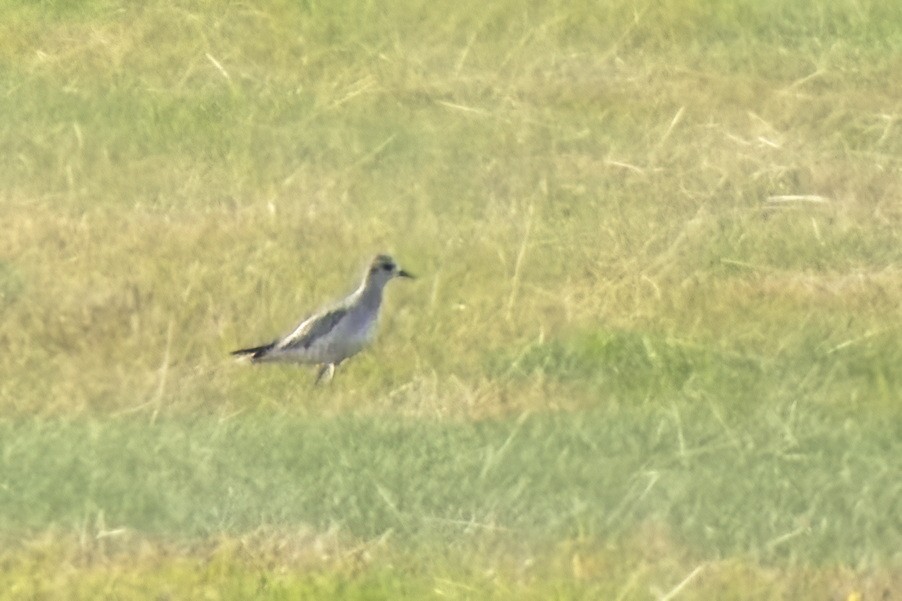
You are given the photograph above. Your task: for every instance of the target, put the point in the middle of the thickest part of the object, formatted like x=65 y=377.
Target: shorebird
x=329 y=337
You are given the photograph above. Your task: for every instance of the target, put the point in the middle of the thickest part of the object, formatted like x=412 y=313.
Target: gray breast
x=330 y=337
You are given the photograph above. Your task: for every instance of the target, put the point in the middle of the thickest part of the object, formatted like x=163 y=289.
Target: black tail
x=255 y=352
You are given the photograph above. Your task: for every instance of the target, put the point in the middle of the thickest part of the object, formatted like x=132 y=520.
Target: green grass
x=656 y=326
x=724 y=484
x=345 y=504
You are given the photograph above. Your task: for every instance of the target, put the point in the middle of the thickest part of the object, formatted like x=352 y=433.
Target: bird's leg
x=327 y=368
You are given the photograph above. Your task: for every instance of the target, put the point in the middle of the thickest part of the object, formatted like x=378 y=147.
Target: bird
x=329 y=337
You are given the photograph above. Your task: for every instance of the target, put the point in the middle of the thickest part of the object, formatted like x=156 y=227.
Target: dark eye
x=387 y=266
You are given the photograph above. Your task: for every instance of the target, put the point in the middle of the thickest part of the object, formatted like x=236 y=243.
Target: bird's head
x=383 y=268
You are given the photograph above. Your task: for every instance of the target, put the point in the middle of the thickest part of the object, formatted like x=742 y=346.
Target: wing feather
x=311 y=330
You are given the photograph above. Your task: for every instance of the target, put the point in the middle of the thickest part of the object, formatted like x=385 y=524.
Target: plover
x=331 y=336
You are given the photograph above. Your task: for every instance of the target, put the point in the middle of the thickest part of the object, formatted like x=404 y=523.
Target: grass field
x=653 y=351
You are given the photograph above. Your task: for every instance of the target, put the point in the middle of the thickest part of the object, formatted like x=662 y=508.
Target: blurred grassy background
x=678 y=224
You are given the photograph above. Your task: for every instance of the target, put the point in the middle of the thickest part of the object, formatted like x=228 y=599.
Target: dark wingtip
x=254 y=352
